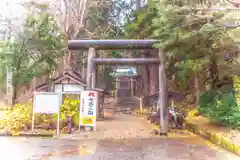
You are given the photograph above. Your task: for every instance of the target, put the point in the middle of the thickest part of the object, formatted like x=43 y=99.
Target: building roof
x=68 y=73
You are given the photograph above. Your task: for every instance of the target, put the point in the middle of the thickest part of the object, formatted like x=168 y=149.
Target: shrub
x=207 y=102
x=18 y=118
x=220 y=107
x=70 y=108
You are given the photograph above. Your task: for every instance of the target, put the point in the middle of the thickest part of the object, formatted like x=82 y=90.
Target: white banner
x=88 y=108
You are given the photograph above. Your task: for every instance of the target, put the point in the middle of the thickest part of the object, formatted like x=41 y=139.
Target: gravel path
x=119 y=126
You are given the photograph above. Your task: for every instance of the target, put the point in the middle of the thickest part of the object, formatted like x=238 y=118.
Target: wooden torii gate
x=93 y=45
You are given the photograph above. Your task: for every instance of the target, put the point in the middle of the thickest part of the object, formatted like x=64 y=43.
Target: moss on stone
x=226 y=144
x=143 y=112
x=237 y=150
x=193 y=128
x=197 y=129
x=206 y=134
x=216 y=138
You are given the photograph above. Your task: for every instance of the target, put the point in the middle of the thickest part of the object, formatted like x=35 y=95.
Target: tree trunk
x=49 y=83
x=214 y=72
x=138 y=4
x=14 y=96
x=153 y=73
x=153 y=79
x=197 y=88
x=145 y=77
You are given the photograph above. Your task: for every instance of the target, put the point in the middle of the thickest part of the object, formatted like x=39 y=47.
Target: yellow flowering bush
x=18 y=118
x=70 y=108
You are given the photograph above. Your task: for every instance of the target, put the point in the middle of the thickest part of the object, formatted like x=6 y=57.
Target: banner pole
x=59 y=109
x=33 y=121
x=33 y=118
x=79 y=121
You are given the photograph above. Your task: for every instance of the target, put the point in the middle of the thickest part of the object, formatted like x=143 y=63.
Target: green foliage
x=105 y=20
x=220 y=107
x=188 y=38
x=2 y=79
x=207 y=102
x=141 y=25
x=35 y=50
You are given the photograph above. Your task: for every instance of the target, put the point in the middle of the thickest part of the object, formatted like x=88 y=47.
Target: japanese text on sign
x=82 y=105
x=90 y=103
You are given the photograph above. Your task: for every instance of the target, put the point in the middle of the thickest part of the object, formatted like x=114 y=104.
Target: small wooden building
x=68 y=81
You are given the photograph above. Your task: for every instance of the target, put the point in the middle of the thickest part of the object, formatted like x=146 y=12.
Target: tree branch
x=236 y=3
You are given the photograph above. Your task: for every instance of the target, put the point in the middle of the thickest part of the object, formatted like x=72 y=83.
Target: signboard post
x=88 y=109
x=47 y=102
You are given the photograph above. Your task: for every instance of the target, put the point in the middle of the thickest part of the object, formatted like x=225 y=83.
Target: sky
x=13 y=8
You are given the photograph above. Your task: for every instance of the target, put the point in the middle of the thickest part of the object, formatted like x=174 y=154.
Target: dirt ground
x=118 y=125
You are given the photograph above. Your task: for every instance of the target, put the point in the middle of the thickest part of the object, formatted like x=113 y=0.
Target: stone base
x=87 y=128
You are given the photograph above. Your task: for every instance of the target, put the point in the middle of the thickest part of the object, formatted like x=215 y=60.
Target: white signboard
x=47 y=102
x=88 y=108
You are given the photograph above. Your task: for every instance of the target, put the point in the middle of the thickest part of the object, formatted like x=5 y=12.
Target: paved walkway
x=192 y=148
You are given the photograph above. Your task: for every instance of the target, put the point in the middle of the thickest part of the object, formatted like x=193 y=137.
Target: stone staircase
x=126 y=105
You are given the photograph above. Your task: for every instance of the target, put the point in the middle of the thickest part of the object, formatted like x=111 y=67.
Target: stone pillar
x=91 y=70
x=116 y=90
x=84 y=68
x=163 y=96
x=132 y=87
